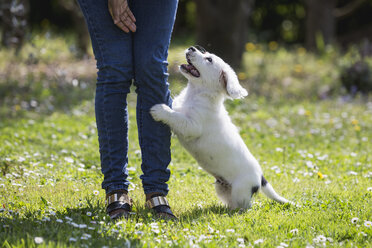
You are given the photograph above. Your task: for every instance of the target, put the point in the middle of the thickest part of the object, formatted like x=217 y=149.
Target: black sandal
x=160 y=206
x=118 y=201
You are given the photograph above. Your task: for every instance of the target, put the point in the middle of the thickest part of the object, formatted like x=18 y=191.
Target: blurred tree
x=60 y=16
x=321 y=20
x=13 y=16
x=222 y=27
x=278 y=20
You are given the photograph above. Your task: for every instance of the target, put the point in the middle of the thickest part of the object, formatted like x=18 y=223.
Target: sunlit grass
x=314 y=152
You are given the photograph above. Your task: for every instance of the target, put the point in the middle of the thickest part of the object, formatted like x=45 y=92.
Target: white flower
x=69 y=160
x=86 y=236
x=354 y=220
x=39 y=240
x=72 y=240
x=95 y=192
x=82 y=226
x=45 y=219
x=363 y=234
x=321 y=238
x=296 y=180
x=230 y=230
x=154 y=224
x=74 y=224
x=283 y=244
x=59 y=220
x=258 y=241
x=352 y=173
x=240 y=240
x=369 y=189
x=120 y=223
x=367 y=223
x=89 y=213
x=294 y=231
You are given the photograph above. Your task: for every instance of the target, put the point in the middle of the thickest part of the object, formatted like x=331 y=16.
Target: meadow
x=312 y=139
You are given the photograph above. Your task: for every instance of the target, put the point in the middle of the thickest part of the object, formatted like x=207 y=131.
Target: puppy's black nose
x=192 y=49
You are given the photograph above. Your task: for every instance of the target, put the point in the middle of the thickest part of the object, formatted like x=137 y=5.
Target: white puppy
x=204 y=128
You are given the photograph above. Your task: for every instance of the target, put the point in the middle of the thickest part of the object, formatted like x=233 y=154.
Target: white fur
x=204 y=128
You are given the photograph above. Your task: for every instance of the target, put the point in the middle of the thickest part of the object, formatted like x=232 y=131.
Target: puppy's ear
x=231 y=84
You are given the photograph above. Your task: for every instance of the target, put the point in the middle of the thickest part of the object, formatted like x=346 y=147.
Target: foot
x=118 y=205
x=160 y=206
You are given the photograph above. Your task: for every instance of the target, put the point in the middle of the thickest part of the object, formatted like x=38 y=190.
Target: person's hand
x=122 y=15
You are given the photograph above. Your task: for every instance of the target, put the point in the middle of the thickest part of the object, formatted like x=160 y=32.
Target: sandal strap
x=164 y=209
x=157 y=201
x=118 y=205
x=118 y=197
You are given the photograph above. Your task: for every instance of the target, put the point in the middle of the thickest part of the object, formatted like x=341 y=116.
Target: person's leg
x=155 y=21
x=113 y=51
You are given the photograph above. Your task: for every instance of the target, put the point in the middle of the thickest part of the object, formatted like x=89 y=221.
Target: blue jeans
x=123 y=58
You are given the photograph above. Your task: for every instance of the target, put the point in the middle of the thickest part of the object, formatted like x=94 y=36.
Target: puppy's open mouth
x=190 y=68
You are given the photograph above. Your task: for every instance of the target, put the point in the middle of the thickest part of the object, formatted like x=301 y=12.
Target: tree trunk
x=320 y=23
x=13 y=21
x=222 y=27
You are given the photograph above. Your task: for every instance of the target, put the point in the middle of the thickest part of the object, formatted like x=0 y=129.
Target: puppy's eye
x=209 y=59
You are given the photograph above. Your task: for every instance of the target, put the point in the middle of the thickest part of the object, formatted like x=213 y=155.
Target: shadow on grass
x=80 y=226
x=212 y=210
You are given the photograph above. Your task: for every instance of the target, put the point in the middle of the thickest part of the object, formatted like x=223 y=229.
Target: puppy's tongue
x=191 y=69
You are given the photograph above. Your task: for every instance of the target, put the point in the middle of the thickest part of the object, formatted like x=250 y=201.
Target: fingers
x=122 y=15
x=127 y=17
x=128 y=22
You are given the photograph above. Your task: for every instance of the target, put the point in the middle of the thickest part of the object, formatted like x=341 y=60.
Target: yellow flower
x=320 y=175
x=354 y=122
x=301 y=51
x=242 y=76
x=250 y=47
x=298 y=68
x=307 y=113
x=17 y=107
x=357 y=128
x=273 y=45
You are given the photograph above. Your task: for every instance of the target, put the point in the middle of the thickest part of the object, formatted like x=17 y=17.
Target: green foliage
x=314 y=152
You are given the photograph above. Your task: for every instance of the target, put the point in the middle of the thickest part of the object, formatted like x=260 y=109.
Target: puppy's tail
x=269 y=191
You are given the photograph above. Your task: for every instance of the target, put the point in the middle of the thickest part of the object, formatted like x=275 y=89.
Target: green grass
x=314 y=152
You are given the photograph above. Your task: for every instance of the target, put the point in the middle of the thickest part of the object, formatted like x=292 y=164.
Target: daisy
x=38 y=240
x=367 y=223
x=258 y=241
x=95 y=192
x=354 y=220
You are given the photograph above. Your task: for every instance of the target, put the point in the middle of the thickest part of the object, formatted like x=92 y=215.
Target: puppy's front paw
x=159 y=112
